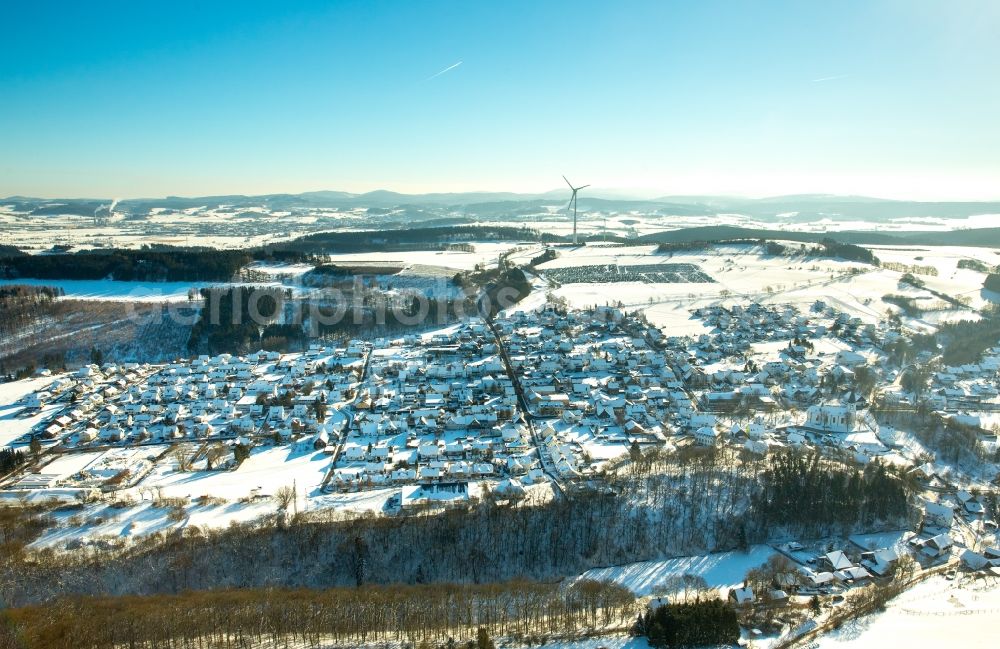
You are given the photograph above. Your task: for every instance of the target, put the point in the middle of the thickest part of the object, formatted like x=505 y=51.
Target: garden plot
x=58 y=472
x=598 y=444
x=262 y=474
x=123 y=467
x=373 y=500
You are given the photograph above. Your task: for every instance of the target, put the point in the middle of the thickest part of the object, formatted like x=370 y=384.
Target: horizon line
x=621 y=194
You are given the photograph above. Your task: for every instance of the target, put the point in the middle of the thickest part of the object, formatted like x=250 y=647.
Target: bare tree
x=182 y=457
x=285 y=496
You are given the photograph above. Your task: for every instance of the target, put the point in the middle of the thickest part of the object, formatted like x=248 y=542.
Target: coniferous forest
x=145 y=265
x=691 y=624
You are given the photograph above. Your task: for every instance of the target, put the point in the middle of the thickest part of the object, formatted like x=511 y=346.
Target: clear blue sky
x=897 y=98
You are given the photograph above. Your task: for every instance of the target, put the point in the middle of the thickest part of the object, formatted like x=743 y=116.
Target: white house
x=741 y=596
x=832 y=418
x=706 y=436
x=938 y=514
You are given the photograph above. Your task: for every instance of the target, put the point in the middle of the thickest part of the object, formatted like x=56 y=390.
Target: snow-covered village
x=517 y=325
x=534 y=401
x=542 y=404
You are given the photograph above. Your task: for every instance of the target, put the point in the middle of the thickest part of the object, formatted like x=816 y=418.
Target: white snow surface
x=106 y=289
x=935 y=613
x=12 y=426
x=721 y=570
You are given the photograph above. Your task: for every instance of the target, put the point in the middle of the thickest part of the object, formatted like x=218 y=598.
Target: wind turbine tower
x=572 y=202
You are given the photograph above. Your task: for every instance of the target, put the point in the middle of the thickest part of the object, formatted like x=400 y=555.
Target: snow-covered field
x=486 y=253
x=742 y=273
x=722 y=570
x=105 y=289
x=213 y=499
x=935 y=613
x=266 y=470
x=603 y=642
x=101 y=521
x=280 y=269
x=218 y=228
x=639 y=223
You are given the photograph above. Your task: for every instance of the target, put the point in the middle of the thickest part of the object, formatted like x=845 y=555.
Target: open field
x=744 y=272
x=935 y=613
x=722 y=571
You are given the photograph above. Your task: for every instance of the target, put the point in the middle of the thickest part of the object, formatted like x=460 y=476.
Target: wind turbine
x=572 y=201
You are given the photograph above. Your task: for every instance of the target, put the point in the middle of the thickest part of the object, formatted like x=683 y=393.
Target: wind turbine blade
x=569 y=183
x=581 y=187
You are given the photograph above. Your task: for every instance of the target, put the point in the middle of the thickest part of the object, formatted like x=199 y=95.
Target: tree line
x=145 y=265
x=849 y=251
x=10 y=460
x=413 y=615
x=405 y=239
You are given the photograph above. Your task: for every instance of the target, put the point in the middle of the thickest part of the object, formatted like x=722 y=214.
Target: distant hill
x=776 y=209
x=978 y=237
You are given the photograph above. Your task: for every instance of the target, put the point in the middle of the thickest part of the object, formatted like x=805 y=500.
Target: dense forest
x=508 y=288
x=236 y=319
x=834 y=248
x=691 y=624
x=828 y=247
x=795 y=483
x=992 y=282
x=10 y=460
x=146 y=265
x=975 y=264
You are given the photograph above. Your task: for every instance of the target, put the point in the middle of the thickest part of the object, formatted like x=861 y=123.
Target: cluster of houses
x=971 y=387
x=533 y=396
x=760 y=364
x=225 y=398
x=939 y=544
x=596 y=381
x=437 y=409
x=811 y=573
x=939 y=522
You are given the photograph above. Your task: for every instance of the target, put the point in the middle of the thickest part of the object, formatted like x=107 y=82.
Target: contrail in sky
x=836 y=76
x=447 y=69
